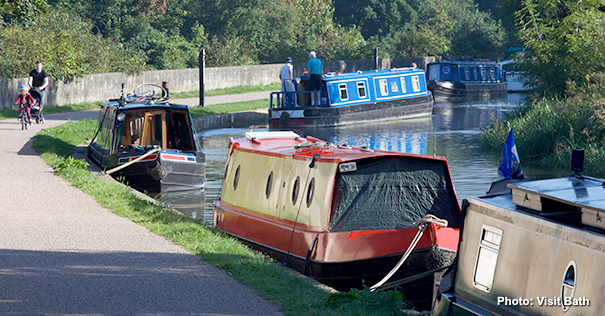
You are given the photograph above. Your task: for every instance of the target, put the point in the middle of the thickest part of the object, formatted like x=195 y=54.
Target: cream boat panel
x=250 y=193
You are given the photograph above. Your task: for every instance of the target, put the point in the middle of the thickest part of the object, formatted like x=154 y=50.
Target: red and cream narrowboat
x=342 y=215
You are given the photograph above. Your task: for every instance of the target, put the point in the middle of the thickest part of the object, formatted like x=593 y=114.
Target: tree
x=22 y=8
x=567 y=41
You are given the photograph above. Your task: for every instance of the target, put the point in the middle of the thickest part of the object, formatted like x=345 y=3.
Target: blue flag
x=510 y=164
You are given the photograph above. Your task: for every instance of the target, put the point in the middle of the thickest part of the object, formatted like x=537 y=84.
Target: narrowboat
x=465 y=80
x=149 y=143
x=536 y=248
x=350 y=98
x=516 y=80
x=342 y=215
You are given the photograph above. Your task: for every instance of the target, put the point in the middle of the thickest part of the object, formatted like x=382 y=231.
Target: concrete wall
x=99 y=87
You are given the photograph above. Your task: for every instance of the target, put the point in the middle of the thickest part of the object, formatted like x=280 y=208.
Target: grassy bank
x=546 y=130
x=295 y=294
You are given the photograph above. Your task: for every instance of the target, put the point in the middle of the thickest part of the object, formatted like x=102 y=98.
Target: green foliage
x=547 y=129
x=70 y=162
x=391 y=300
x=567 y=41
x=25 y=9
x=408 y=28
x=65 y=45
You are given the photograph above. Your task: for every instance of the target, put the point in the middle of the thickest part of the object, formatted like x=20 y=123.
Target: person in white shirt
x=285 y=75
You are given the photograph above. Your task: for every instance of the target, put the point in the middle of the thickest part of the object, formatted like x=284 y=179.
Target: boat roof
x=463 y=62
x=332 y=76
x=144 y=105
x=569 y=201
x=288 y=143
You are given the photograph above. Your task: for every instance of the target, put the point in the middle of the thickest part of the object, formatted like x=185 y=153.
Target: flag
x=510 y=165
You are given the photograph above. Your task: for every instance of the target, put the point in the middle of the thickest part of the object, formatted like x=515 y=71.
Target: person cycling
x=25 y=102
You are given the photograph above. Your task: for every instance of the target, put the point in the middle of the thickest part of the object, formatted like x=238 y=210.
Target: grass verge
x=198 y=111
x=295 y=294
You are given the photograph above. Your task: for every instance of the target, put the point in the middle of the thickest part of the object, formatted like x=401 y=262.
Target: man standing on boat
x=315 y=69
x=285 y=75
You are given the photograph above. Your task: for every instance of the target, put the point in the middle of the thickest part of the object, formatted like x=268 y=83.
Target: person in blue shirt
x=315 y=69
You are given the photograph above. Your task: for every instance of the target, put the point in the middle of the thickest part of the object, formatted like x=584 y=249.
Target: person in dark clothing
x=39 y=79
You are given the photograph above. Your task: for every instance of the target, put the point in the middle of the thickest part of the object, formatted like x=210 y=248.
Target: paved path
x=63 y=254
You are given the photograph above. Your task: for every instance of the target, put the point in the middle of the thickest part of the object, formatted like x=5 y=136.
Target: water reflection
x=453 y=131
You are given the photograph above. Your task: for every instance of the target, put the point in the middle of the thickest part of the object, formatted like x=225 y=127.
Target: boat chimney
x=376 y=67
x=165 y=86
x=577 y=160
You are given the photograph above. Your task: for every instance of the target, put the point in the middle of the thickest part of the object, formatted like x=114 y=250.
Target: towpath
x=61 y=253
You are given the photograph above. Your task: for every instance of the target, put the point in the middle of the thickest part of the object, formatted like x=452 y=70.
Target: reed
x=546 y=130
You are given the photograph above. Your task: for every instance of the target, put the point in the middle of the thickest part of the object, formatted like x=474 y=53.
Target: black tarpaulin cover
x=391 y=193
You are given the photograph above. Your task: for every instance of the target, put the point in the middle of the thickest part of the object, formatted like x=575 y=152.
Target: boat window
x=415 y=83
x=310 y=192
x=483 y=74
x=569 y=285
x=295 y=189
x=384 y=90
x=487 y=257
x=475 y=74
x=402 y=79
x=344 y=96
x=269 y=185
x=467 y=73
x=236 y=178
x=492 y=73
x=361 y=89
x=178 y=132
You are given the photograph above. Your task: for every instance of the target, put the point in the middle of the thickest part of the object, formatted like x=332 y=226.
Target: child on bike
x=25 y=102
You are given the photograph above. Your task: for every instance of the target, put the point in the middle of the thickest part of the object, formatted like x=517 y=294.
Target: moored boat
x=536 y=248
x=344 y=216
x=465 y=80
x=350 y=98
x=167 y=156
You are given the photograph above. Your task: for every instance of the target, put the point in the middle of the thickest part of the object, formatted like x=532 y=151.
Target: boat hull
x=351 y=259
x=406 y=108
x=456 y=91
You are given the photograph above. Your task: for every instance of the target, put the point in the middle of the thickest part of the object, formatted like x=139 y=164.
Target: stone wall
x=99 y=87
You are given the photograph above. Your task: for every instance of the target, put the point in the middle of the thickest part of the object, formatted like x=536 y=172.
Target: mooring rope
x=422 y=224
x=131 y=162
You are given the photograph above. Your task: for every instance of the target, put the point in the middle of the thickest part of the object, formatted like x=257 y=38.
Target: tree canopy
x=169 y=34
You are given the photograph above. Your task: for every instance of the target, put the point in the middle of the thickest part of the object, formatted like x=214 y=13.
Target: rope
x=133 y=161
x=422 y=224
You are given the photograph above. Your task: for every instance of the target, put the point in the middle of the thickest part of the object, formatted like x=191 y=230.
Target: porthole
x=295 y=190
x=269 y=185
x=310 y=192
x=446 y=70
x=236 y=178
x=569 y=286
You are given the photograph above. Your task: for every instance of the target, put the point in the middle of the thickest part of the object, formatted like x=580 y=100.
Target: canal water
x=452 y=131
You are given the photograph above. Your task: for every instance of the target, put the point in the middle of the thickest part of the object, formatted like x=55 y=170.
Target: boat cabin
x=465 y=71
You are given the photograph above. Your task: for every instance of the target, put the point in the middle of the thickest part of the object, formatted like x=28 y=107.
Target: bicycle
x=23 y=117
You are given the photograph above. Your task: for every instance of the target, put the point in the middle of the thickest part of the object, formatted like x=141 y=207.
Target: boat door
x=285 y=183
x=154 y=128
x=295 y=197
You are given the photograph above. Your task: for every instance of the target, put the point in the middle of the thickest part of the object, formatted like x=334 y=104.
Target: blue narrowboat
x=465 y=80
x=350 y=98
x=149 y=143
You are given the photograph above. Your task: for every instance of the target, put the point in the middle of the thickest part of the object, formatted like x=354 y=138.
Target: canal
x=452 y=131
